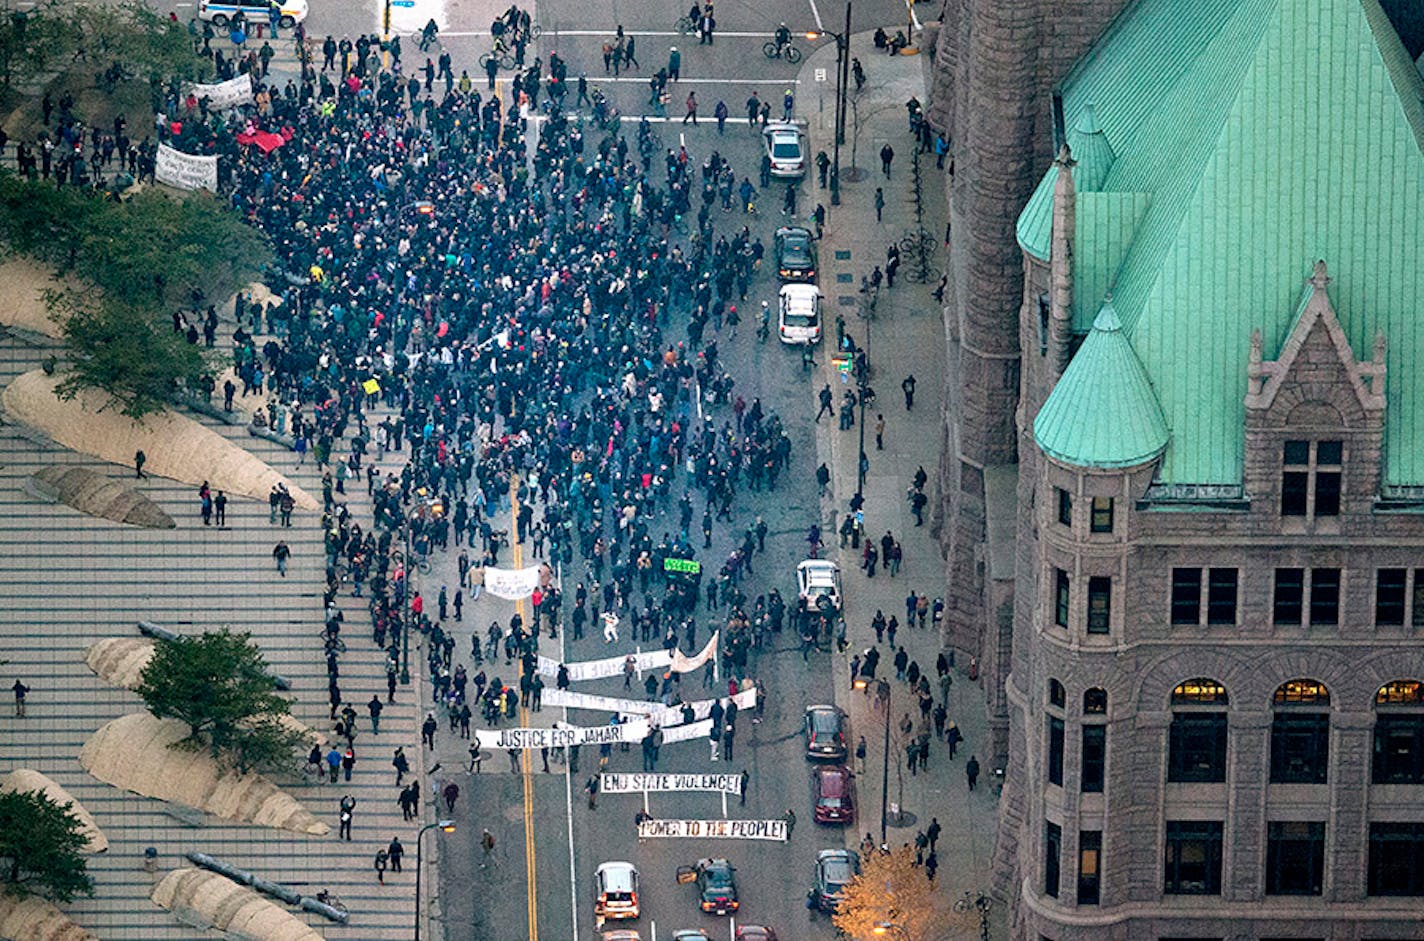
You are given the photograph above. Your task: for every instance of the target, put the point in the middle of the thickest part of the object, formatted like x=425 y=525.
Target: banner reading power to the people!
x=713 y=829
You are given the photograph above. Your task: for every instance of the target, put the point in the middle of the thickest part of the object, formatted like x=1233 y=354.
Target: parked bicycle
x=686 y=24
x=788 y=52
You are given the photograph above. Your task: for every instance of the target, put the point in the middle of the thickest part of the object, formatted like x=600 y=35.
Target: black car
x=834 y=868
x=716 y=885
x=795 y=254
x=825 y=732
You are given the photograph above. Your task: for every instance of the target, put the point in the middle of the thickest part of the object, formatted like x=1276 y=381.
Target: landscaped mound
x=208 y=900
x=100 y=496
x=24 y=780
x=176 y=446
x=133 y=752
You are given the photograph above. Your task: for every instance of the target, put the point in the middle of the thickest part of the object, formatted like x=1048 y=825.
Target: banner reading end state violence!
x=714 y=829
x=610 y=783
x=525 y=739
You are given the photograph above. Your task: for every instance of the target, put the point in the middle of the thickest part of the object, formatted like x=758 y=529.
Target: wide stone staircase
x=69 y=580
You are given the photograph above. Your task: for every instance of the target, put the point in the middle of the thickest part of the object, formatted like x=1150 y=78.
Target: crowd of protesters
x=496 y=317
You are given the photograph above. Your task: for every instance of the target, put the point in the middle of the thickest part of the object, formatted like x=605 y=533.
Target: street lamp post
x=882 y=694
x=842 y=81
x=447 y=826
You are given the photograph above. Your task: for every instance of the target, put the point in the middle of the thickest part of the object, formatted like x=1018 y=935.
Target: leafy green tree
x=218 y=684
x=892 y=891
x=86 y=36
x=40 y=848
x=122 y=349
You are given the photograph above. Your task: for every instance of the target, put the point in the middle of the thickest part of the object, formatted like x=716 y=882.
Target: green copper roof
x=1102 y=412
x=1093 y=157
x=1035 y=225
x=1263 y=135
x=1091 y=151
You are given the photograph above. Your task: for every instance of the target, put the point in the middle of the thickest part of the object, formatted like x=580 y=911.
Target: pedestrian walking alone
x=691 y=105
x=887 y=154
x=281 y=552
x=381 y=857
x=971 y=771
x=451 y=794
x=591 y=789
x=348 y=806
x=395 y=851
x=21 y=691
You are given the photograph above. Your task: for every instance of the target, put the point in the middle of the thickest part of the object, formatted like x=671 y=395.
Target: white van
x=800 y=319
x=256 y=11
x=617 y=887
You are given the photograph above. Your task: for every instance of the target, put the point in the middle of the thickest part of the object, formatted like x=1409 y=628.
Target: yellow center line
x=527 y=758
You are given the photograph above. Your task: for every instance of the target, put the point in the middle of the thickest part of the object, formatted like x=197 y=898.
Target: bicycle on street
x=686 y=24
x=500 y=55
x=788 y=52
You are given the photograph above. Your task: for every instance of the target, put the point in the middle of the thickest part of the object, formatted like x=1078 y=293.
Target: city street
x=539 y=878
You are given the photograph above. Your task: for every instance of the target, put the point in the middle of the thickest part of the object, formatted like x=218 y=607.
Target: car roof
x=806 y=293
x=839 y=774
x=822 y=707
x=828 y=855
x=787 y=127
x=753 y=933
x=815 y=565
x=799 y=232
x=615 y=865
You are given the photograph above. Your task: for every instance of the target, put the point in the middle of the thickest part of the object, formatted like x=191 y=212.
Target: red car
x=833 y=793
x=755 y=933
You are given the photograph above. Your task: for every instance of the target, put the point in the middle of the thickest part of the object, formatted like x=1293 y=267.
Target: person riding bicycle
x=428 y=33
x=783 y=39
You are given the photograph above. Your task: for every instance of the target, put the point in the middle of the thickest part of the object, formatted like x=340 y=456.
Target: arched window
x=1093 y=753
x=1300 y=733
x=1303 y=692
x=1199 y=692
x=1399 y=733
x=1197 y=739
x=1054 y=730
x=1401 y=693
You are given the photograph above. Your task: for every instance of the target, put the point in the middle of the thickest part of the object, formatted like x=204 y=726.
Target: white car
x=799 y=320
x=786 y=146
x=256 y=11
x=818 y=585
x=617 y=891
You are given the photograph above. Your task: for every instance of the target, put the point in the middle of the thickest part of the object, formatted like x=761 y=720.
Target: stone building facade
x=1203 y=645
x=996 y=63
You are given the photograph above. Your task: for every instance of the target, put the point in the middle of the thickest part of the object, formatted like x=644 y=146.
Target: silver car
x=786 y=146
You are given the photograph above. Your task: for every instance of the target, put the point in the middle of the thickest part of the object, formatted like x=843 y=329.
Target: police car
x=220 y=12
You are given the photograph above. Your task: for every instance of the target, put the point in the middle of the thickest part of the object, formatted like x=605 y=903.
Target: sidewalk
x=906 y=337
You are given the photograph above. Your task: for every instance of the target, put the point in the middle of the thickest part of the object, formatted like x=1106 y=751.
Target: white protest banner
x=685 y=664
x=642 y=660
x=185 y=171
x=527 y=739
x=235 y=91
x=657 y=712
x=611 y=666
x=683 y=733
x=714 y=829
x=511 y=584
x=638 y=783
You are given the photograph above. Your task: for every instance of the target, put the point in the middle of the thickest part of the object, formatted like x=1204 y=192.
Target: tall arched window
x=1300 y=733
x=1197 y=741
x=1093 y=755
x=1399 y=733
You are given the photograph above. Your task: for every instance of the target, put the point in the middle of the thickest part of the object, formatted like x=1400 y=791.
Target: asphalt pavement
x=538 y=881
